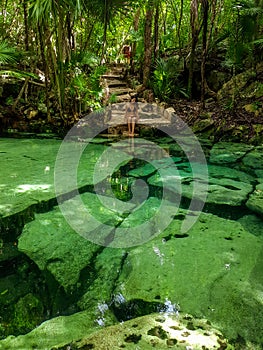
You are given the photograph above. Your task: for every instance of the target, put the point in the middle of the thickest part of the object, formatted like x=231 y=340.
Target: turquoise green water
x=118 y=248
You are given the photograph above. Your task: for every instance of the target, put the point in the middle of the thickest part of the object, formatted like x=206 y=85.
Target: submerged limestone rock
x=56 y=332
x=253 y=224
x=158 y=331
x=56 y=247
x=254 y=159
x=206 y=272
x=28 y=178
x=228 y=152
x=28 y=313
x=255 y=201
x=224 y=185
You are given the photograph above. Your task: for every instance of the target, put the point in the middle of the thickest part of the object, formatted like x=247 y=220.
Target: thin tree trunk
x=88 y=36
x=106 y=17
x=205 y=7
x=46 y=71
x=60 y=56
x=148 y=44
x=179 y=26
x=195 y=28
x=20 y=94
x=156 y=31
x=134 y=44
x=26 y=25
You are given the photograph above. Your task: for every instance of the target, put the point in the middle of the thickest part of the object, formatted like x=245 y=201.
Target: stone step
x=153 y=122
x=120 y=91
x=118 y=117
x=112 y=76
x=123 y=98
x=116 y=83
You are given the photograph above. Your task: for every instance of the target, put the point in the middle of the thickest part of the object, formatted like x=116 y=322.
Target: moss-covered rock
x=28 y=313
x=255 y=201
x=158 y=331
x=207 y=271
x=224 y=185
x=228 y=152
x=254 y=159
x=242 y=85
x=56 y=332
x=60 y=249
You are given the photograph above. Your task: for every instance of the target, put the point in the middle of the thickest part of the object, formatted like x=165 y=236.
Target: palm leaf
x=17 y=74
x=8 y=54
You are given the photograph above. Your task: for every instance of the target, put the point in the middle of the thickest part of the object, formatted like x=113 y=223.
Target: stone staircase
x=116 y=81
x=150 y=115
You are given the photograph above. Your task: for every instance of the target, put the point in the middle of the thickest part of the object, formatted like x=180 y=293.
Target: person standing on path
x=131 y=114
x=127 y=53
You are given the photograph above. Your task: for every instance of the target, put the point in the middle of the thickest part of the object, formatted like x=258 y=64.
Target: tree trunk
x=179 y=26
x=106 y=21
x=26 y=25
x=20 y=94
x=156 y=31
x=134 y=45
x=147 y=44
x=195 y=28
x=205 y=7
x=46 y=71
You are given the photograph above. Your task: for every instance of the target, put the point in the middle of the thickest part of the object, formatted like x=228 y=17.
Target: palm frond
x=16 y=74
x=8 y=54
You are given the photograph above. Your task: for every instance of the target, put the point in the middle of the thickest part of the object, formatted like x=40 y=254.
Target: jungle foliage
x=57 y=51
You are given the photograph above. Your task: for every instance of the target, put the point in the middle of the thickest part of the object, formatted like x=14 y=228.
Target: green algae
x=215 y=270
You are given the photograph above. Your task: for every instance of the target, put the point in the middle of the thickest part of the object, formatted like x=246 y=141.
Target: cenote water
x=98 y=232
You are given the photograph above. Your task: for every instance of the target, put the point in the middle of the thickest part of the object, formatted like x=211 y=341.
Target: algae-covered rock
x=58 y=331
x=27 y=174
x=56 y=247
x=254 y=159
x=28 y=313
x=202 y=125
x=107 y=265
x=224 y=185
x=156 y=331
x=160 y=331
x=242 y=85
x=228 y=152
x=255 y=201
x=206 y=272
x=253 y=224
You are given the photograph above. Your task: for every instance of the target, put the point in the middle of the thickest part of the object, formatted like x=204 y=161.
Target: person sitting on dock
x=131 y=114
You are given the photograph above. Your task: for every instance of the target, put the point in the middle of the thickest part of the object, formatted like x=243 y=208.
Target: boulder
x=206 y=272
x=56 y=332
x=56 y=247
x=224 y=185
x=254 y=159
x=159 y=331
x=28 y=313
x=228 y=152
x=243 y=85
x=255 y=201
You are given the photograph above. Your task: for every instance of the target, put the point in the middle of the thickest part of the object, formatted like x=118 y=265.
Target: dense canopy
x=57 y=50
